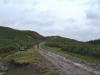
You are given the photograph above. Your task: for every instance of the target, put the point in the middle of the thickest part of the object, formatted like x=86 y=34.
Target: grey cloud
x=93 y=21
x=25 y=15
x=93 y=15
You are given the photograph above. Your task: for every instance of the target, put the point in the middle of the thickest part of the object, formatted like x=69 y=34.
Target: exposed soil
x=31 y=68
x=27 y=69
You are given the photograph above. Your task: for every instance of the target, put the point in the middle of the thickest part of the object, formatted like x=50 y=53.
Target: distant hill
x=11 y=39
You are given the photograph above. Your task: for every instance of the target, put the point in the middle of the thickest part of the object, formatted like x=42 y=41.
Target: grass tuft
x=29 y=56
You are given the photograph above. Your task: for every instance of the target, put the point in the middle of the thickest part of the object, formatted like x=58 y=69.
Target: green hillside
x=30 y=61
x=74 y=46
x=11 y=39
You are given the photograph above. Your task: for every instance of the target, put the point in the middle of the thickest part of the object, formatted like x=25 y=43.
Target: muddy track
x=67 y=66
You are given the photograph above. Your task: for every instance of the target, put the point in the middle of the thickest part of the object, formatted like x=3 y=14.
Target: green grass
x=87 y=58
x=29 y=56
x=51 y=73
x=74 y=46
x=1 y=71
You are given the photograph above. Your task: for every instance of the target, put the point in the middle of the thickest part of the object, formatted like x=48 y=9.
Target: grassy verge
x=1 y=71
x=29 y=56
x=87 y=58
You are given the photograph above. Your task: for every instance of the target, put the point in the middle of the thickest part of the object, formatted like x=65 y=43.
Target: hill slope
x=74 y=46
x=11 y=39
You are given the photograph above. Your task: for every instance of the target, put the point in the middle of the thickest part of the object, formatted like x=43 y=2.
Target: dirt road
x=66 y=64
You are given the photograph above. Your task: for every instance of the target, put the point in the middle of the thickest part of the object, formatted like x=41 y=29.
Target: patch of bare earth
x=26 y=69
x=45 y=68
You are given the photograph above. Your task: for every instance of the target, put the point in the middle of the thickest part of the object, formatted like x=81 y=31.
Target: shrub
x=75 y=46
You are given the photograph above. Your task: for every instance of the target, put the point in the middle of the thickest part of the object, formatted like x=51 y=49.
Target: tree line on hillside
x=95 y=42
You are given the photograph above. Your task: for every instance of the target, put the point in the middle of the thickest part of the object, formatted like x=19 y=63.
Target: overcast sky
x=76 y=19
